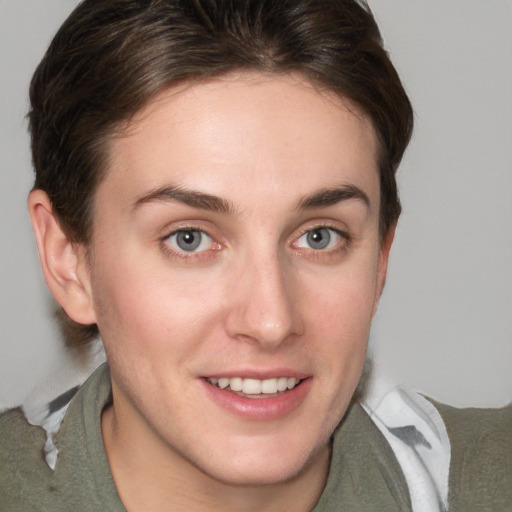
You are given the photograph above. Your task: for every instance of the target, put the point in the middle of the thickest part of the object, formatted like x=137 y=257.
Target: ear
x=382 y=265
x=64 y=264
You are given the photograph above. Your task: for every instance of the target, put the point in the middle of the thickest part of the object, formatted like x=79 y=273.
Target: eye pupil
x=319 y=238
x=188 y=240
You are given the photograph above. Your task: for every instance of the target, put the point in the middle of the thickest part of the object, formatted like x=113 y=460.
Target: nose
x=263 y=306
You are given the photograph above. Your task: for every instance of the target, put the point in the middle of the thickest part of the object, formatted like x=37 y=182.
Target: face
x=235 y=269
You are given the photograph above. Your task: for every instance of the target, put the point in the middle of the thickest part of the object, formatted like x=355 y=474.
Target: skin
x=255 y=297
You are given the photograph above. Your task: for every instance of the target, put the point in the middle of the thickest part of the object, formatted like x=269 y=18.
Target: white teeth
x=236 y=384
x=292 y=381
x=282 y=384
x=255 y=386
x=223 y=382
x=269 y=386
x=251 y=386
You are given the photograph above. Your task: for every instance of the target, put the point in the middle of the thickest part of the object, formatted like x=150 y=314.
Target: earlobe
x=64 y=264
x=382 y=268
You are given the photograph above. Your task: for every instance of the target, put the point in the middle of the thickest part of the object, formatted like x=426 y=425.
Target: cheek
x=342 y=302
x=339 y=319
x=141 y=306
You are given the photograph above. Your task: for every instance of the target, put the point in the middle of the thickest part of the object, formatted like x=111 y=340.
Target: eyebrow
x=320 y=199
x=331 y=196
x=191 y=198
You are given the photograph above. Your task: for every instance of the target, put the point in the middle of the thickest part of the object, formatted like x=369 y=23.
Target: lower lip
x=260 y=409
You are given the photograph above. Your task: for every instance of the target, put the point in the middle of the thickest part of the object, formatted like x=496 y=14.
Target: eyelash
x=341 y=247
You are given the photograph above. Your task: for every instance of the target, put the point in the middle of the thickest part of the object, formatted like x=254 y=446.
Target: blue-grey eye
x=189 y=240
x=319 y=239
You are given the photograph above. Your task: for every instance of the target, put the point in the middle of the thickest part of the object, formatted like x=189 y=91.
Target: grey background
x=445 y=320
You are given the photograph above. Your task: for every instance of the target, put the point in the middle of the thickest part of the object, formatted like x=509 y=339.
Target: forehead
x=262 y=131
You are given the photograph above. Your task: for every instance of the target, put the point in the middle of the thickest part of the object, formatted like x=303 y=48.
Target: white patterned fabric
x=417 y=435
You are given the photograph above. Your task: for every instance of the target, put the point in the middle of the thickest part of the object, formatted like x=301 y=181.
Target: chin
x=269 y=474
x=267 y=466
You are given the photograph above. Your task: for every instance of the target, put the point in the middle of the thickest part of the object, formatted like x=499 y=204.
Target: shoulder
x=58 y=463
x=23 y=469
x=460 y=459
x=481 y=457
x=19 y=441
x=478 y=429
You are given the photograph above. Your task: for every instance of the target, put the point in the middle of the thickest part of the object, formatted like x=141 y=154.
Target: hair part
x=110 y=57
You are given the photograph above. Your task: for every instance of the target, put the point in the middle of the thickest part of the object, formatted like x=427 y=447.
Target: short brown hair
x=110 y=57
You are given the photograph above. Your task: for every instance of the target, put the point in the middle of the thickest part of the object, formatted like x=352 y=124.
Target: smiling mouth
x=254 y=388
